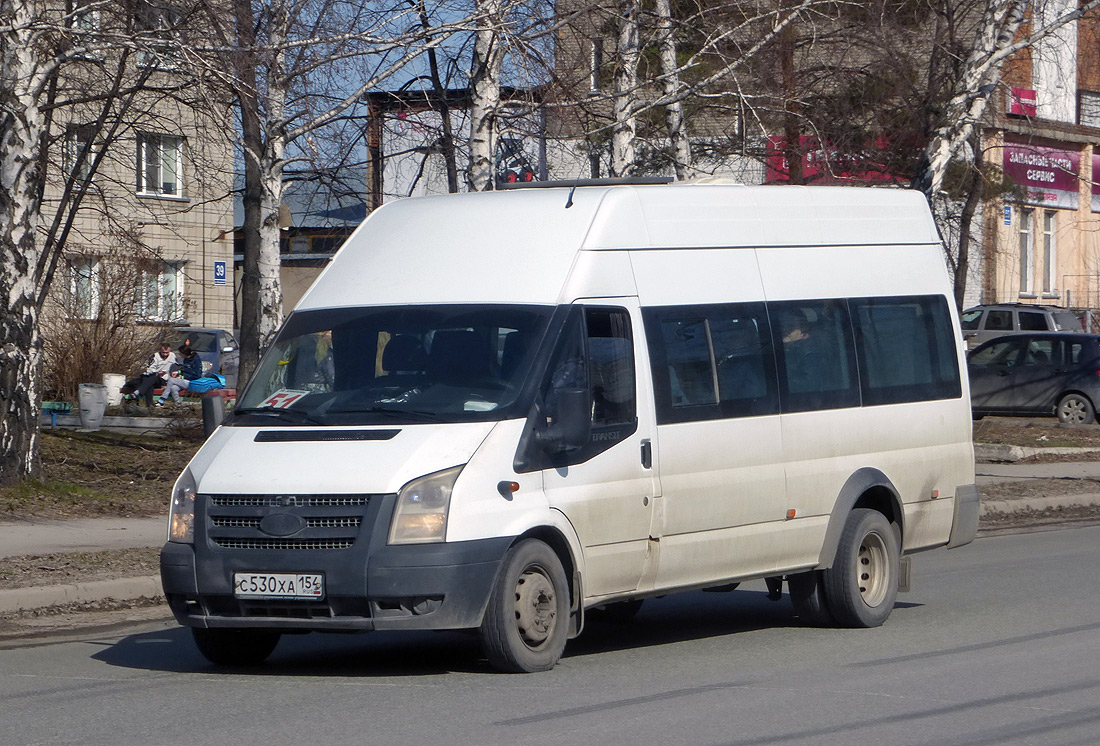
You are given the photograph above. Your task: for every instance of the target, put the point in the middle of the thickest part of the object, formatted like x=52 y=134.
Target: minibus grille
x=285 y=522
x=225 y=543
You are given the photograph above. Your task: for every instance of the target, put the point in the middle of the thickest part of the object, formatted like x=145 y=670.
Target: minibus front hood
x=296 y=460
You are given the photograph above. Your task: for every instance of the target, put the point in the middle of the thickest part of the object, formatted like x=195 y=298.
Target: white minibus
x=504 y=411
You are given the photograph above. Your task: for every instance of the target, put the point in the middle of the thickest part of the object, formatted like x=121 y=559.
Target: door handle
x=647 y=454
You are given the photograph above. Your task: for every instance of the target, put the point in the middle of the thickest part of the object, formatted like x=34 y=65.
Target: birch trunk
x=22 y=129
x=624 y=97
x=264 y=147
x=488 y=59
x=679 y=143
x=980 y=75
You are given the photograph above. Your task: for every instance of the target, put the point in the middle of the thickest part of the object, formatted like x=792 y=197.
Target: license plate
x=279 y=585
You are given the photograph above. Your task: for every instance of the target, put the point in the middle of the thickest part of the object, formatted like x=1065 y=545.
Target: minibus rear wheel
x=235 y=647
x=527 y=621
x=807 y=591
x=862 y=584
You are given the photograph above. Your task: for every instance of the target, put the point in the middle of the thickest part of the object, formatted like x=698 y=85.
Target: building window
x=156 y=26
x=160 y=292
x=77 y=154
x=83 y=16
x=1089 y=108
x=595 y=62
x=83 y=288
x=1027 y=251
x=1050 y=266
x=160 y=163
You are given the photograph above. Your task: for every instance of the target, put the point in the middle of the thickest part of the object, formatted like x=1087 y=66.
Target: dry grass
x=99 y=474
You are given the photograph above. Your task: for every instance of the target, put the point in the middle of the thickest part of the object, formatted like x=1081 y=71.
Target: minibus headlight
x=420 y=515
x=181 y=513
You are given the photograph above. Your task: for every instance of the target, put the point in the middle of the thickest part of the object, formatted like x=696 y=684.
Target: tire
x=1075 y=409
x=235 y=647
x=619 y=612
x=807 y=591
x=527 y=621
x=861 y=586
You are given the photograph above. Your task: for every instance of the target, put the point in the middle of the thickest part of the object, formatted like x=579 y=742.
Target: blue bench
x=55 y=408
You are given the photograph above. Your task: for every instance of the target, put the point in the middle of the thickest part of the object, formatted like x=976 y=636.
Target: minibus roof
x=519 y=245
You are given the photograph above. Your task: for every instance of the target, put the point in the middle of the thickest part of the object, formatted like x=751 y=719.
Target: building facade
x=1041 y=236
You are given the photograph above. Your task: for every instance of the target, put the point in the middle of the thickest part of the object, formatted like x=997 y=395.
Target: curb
x=121 y=589
x=996 y=453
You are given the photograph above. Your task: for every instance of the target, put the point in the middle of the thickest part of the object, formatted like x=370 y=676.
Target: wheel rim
x=1073 y=410
x=536 y=607
x=873 y=567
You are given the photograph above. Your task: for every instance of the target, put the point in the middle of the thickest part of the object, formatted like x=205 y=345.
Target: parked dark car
x=1044 y=374
x=218 y=349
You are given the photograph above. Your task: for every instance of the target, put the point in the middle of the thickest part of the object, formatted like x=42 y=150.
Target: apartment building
x=148 y=244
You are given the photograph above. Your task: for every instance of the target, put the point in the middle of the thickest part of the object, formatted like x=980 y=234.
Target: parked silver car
x=983 y=323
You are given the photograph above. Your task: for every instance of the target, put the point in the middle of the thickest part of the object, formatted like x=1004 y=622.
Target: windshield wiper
x=297 y=415
x=415 y=414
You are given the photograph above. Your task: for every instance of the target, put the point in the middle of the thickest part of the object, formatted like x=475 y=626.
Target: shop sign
x=1048 y=176
x=1096 y=183
x=1022 y=102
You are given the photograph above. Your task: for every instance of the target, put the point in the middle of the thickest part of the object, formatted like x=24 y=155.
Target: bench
x=187 y=394
x=55 y=408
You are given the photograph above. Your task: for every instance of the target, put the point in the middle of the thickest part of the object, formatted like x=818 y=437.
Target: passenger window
x=905 y=349
x=816 y=355
x=1000 y=321
x=1043 y=352
x=1075 y=353
x=1000 y=354
x=1032 y=321
x=711 y=362
x=688 y=360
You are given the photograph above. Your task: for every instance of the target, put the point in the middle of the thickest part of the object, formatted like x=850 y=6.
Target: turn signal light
x=790 y=513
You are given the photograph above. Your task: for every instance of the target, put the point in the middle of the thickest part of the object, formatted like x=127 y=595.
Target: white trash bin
x=93 y=404
x=114 y=383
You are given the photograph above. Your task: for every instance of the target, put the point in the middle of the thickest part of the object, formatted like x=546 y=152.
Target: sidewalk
x=87 y=535
x=47 y=537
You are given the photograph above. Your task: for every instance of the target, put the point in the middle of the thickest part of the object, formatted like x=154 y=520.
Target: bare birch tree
x=296 y=66
x=488 y=59
x=55 y=67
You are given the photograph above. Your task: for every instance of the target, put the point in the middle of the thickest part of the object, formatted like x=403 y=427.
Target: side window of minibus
x=817 y=368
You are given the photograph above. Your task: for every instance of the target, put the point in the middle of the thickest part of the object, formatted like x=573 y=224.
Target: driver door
x=606 y=488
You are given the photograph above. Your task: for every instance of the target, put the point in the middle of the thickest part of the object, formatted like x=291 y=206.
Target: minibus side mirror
x=572 y=421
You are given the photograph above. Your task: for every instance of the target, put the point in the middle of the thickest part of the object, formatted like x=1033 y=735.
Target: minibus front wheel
x=527 y=621
x=235 y=647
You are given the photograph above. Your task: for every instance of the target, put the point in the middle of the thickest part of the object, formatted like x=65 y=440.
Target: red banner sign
x=1048 y=176
x=824 y=163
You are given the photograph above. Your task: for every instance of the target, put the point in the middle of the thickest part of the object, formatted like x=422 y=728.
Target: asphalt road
x=998 y=643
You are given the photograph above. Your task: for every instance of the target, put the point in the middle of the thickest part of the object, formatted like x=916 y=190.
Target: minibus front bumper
x=425 y=586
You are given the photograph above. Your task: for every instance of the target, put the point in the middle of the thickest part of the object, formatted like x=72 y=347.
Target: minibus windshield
x=395 y=365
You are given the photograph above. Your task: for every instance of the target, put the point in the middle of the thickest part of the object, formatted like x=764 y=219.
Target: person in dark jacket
x=179 y=379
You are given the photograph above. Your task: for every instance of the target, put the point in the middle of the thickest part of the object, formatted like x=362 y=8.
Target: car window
x=970 y=319
x=1033 y=321
x=998 y=321
x=1003 y=354
x=1043 y=352
x=1064 y=321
